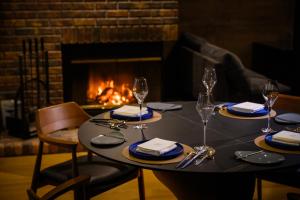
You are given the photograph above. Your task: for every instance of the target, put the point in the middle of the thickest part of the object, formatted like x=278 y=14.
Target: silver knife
x=185 y=159
x=192 y=159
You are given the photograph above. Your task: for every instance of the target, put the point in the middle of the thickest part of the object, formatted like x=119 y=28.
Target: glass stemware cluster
x=270 y=93
x=140 y=91
x=205 y=106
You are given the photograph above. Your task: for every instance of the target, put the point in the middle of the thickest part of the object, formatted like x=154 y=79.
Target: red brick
x=47 y=14
x=24 y=31
x=106 y=6
x=78 y=6
x=146 y=21
x=13 y=23
x=165 y=13
x=117 y=13
x=170 y=5
x=83 y=14
x=129 y=21
x=61 y=22
x=140 y=13
x=37 y=23
x=84 y=22
x=140 y=5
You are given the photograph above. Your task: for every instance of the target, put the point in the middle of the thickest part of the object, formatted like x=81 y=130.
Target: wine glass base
x=267 y=130
x=203 y=147
x=140 y=126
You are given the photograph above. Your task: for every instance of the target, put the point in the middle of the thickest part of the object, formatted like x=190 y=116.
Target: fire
x=108 y=93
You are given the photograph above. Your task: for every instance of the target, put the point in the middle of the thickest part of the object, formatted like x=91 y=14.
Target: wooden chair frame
x=51 y=119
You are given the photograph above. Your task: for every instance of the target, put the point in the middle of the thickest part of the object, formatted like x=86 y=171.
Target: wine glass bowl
x=205 y=109
x=270 y=93
x=140 y=91
x=209 y=79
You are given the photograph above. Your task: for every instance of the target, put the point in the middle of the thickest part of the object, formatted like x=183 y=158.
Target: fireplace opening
x=102 y=74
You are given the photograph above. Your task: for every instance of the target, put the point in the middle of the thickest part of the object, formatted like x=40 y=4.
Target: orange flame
x=108 y=93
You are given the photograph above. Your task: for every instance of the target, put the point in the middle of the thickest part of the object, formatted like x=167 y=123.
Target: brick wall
x=77 y=21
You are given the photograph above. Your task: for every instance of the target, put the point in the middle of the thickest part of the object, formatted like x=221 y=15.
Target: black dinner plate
x=106 y=140
x=166 y=156
x=261 y=158
x=288 y=118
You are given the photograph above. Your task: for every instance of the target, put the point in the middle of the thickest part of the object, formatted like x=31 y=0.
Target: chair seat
x=103 y=172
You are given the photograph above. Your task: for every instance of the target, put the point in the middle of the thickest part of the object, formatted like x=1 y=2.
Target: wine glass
x=270 y=93
x=205 y=109
x=209 y=79
x=140 y=91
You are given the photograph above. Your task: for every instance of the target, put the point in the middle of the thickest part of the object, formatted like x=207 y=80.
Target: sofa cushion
x=213 y=52
x=192 y=41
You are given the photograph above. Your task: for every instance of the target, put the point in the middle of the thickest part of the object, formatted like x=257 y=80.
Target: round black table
x=222 y=177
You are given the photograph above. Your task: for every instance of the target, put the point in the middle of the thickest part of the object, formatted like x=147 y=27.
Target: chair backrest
x=58 y=117
x=288 y=103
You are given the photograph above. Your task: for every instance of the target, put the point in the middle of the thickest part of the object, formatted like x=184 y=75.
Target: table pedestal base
x=208 y=186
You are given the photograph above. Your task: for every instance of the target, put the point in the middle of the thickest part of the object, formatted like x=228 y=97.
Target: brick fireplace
x=74 y=23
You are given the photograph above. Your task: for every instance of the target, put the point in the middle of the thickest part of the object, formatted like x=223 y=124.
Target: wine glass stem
x=204 y=133
x=269 y=117
x=141 y=104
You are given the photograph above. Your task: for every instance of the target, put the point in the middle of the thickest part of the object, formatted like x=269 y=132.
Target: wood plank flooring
x=16 y=173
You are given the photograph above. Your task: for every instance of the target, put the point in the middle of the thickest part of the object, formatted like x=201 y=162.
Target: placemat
x=260 y=142
x=186 y=150
x=156 y=116
x=227 y=114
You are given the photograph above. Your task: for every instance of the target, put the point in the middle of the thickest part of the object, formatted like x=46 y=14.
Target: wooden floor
x=16 y=173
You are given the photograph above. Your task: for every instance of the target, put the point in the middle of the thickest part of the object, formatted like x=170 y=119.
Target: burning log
x=105 y=95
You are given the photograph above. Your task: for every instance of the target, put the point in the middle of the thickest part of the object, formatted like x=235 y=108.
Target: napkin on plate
x=130 y=111
x=163 y=106
x=287 y=137
x=247 y=107
x=156 y=146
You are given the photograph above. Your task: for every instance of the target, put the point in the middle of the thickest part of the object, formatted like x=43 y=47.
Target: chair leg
x=141 y=184
x=37 y=167
x=259 y=188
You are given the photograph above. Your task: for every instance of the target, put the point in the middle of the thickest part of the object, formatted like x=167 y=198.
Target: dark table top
x=225 y=134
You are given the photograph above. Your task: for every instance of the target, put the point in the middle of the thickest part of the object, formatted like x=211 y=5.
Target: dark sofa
x=186 y=63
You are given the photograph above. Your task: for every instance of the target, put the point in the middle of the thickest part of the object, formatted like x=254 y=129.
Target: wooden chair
x=288 y=103
x=72 y=184
x=54 y=125
x=290 y=176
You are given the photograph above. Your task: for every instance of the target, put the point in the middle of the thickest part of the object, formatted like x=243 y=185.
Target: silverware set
x=249 y=154
x=206 y=153
x=110 y=123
